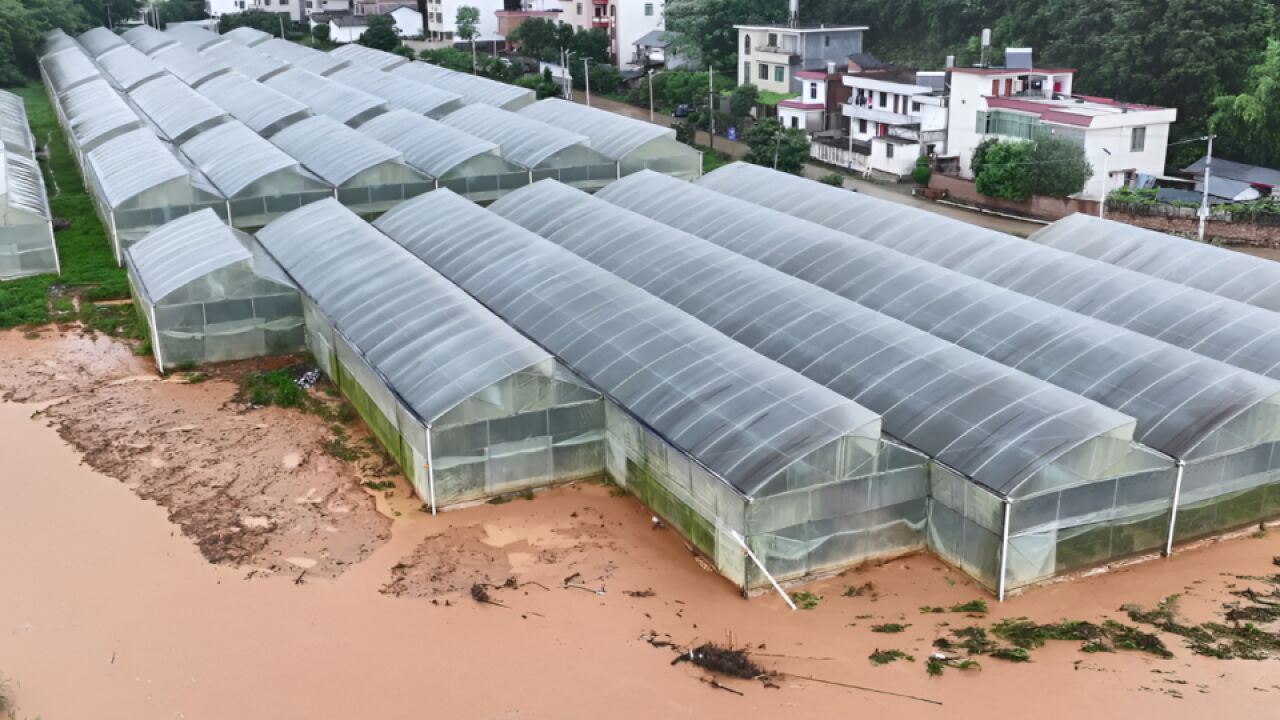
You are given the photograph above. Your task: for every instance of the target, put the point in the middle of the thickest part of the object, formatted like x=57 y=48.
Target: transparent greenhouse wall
x=1229 y=491
x=578 y=167
x=665 y=156
x=134 y=219
x=380 y=188
x=965 y=525
x=27 y=249
x=274 y=195
x=484 y=178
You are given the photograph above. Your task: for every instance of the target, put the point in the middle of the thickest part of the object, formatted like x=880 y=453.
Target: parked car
x=682 y=111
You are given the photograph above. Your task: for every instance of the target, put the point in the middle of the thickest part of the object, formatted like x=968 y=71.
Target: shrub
x=834 y=180
x=922 y=172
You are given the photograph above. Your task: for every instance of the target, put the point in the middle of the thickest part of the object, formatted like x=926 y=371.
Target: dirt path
x=108 y=611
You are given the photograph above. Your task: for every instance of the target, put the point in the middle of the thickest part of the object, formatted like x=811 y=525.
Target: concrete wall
x=1227 y=233
x=1044 y=208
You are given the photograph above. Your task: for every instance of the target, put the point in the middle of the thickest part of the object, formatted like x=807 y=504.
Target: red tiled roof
x=801 y=105
x=812 y=74
x=1049 y=113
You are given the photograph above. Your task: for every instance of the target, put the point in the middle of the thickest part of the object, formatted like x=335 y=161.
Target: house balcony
x=600 y=22
x=878 y=115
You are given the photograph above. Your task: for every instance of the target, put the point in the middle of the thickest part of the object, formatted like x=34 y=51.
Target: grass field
x=88 y=266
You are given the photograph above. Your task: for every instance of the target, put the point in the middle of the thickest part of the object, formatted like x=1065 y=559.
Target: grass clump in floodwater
x=889 y=628
x=805 y=600
x=884 y=657
x=973 y=607
x=276 y=387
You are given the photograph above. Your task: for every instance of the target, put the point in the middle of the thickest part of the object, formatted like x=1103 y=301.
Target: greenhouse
x=57 y=41
x=1224 y=486
x=127 y=68
x=260 y=181
x=301 y=56
x=209 y=293
x=148 y=39
x=988 y=425
x=15 y=132
x=634 y=144
x=177 y=111
x=357 y=54
x=189 y=66
x=328 y=97
x=463 y=163
x=264 y=110
x=547 y=151
x=399 y=92
x=1223 y=272
x=244 y=60
x=139 y=184
x=100 y=41
x=721 y=442
x=26 y=230
x=197 y=38
x=467 y=406
x=1187 y=406
x=93 y=113
x=472 y=88
x=66 y=69
x=370 y=177
x=247 y=36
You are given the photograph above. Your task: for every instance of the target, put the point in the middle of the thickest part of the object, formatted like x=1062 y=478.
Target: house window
x=613 y=10
x=778 y=73
x=648 y=9
x=746 y=44
x=813 y=91
x=884 y=99
x=764 y=71
x=862 y=127
x=795 y=122
x=915 y=107
x=888 y=151
x=1138 y=140
x=746 y=72
x=826 y=41
x=773 y=40
x=579 y=8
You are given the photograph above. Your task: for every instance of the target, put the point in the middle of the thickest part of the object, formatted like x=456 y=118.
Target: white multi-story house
x=895 y=116
x=1120 y=140
x=625 y=21
x=770 y=56
x=348 y=28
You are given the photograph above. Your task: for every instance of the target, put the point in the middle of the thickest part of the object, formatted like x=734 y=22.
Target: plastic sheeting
x=264 y=110
x=26 y=235
x=56 y=41
x=190 y=66
x=634 y=144
x=127 y=67
x=301 y=56
x=197 y=38
x=1223 y=272
x=99 y=41
x=745 y=418
x=357 y=54
x=327 y=97
x=1226 y=330
x=472 y=88
x=15 y=132
x=148 y=39
x=179 y=112
x=399 y=92
x=244 y=60
x=248 y=36
x=68 y=68
x=547 y=151
x=93 y=113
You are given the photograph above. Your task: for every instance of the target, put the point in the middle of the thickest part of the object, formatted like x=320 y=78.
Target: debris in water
x=722 y=659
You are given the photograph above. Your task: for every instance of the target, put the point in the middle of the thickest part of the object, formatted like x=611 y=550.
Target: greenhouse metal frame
x=547 y=151
x=301 y=56
x=1223 y=489
x=264 y=110
x=468 y=407
x=178 y=112
x=1223 y=272
x=370 y=177
x=99 y=41
x=127 y=67
x=634 y=144
x=148 y=39
x=724 y=444
x=399 y=92
x=190 y=66
x=260 y=181
x=209 y=293
x=27 y=246
x=247 y=36
x=324 y=96
x=472 y=88
x=461 y=162
x=139 y=184
x=357 y=54
x=245 y=60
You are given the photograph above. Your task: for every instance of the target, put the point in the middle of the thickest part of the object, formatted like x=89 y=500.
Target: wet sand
x=108 y=610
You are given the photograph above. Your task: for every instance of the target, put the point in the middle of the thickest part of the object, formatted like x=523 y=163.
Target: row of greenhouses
x=26 y=225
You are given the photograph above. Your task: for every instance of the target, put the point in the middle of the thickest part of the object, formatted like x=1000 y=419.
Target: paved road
x=899 y=193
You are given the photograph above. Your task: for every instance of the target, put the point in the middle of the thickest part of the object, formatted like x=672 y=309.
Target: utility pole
x=776 y=144
x=586 y=79
x=1106 y=175
x=650 y=94
x=1204 y=197
x=281 y=19
x=711 y=108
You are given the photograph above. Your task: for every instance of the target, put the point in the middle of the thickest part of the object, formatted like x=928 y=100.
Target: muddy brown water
x=107 y=610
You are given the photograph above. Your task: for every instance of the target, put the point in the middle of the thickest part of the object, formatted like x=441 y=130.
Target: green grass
x=88 y=264
x=884 y=657
x=769 y=97
x=713 y=159
x=276 y=387
x=805 y=600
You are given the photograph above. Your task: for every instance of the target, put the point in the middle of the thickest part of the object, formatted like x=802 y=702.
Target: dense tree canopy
x=1019 y=169
x=380 y=34
x=774 y=146
x=267 y=22
x=543 y=39
x=1248 y=124
x=24 y=23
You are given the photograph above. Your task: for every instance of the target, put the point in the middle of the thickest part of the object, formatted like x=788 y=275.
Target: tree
x=979 y=160
x=1004 y=171
x=1056 y=168
x=320 y=34
x=23 y=25
x=380 y=34
x=743 y=100
x=771 y=145
x=404 y=51
x=706 y=26
x=543 y=85
x=922 y=173
x=1249 y=123
x=172 y=11
x=604 y=78
x=590 y=45
x=535 y=37
x=257 y=19
x=468 y=22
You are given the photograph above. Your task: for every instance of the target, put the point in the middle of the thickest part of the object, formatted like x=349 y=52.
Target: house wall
x=345 y=34
x=1044 y=208
x=447 y=12
x=631 y=23
x=1118 y=140
x=812 y=51
x=408 y=22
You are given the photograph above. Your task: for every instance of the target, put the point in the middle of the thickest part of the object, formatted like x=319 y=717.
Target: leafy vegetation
x=884 y=657
x=1018 y=169
x=771 y=145
x=890 y=628
x=267 y=22
x=978 y=607
x=544 y=86
x=543 y=39
x=380 y=34
x=921 y=173
x=805 y=600
x=834 y=180
x=276 y=387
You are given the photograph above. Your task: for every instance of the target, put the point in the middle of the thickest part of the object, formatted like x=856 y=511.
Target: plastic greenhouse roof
x=23 y=186
x=188 y=65
x=133 y=163
x=127 y=68
x=611 y=134
x=244 y=60
x=1223 y=272
x=369 y=57
x=68 y=68
x=428 y=145
x=434 y=344
x=196 y=38
x=57 y=41
x=95 y=109
x=246 y=35
x=325 y=96
x=524 y=141
x=1178 y=397
x=397 y=91
x=332 y=150
x=1216 y=327
x=99 y=40
x=191 y=247
x=472 y=88
x=252 y=103
x=174 y=107
x=742 y=416
x=148 y=39
x=234 y=157
x=989 y=422
x=301 y=56
x=15 y=132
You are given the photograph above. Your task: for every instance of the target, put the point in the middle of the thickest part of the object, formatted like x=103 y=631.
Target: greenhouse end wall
x=27 y=249
x=1228 y=491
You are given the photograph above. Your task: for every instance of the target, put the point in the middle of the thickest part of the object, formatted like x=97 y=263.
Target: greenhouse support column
x=742 y=541
x=1173 y=511
x=1004 y=551
x=57 y=261
x=155 y=340
x=431 y=474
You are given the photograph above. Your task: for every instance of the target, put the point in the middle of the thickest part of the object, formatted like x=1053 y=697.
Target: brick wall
x=1042 y=208
x=1227 y=233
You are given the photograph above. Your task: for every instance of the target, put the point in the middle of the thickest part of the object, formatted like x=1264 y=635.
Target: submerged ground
x=169 y=551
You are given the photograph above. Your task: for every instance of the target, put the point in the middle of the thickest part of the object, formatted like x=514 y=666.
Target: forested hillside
x=1205 y=57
